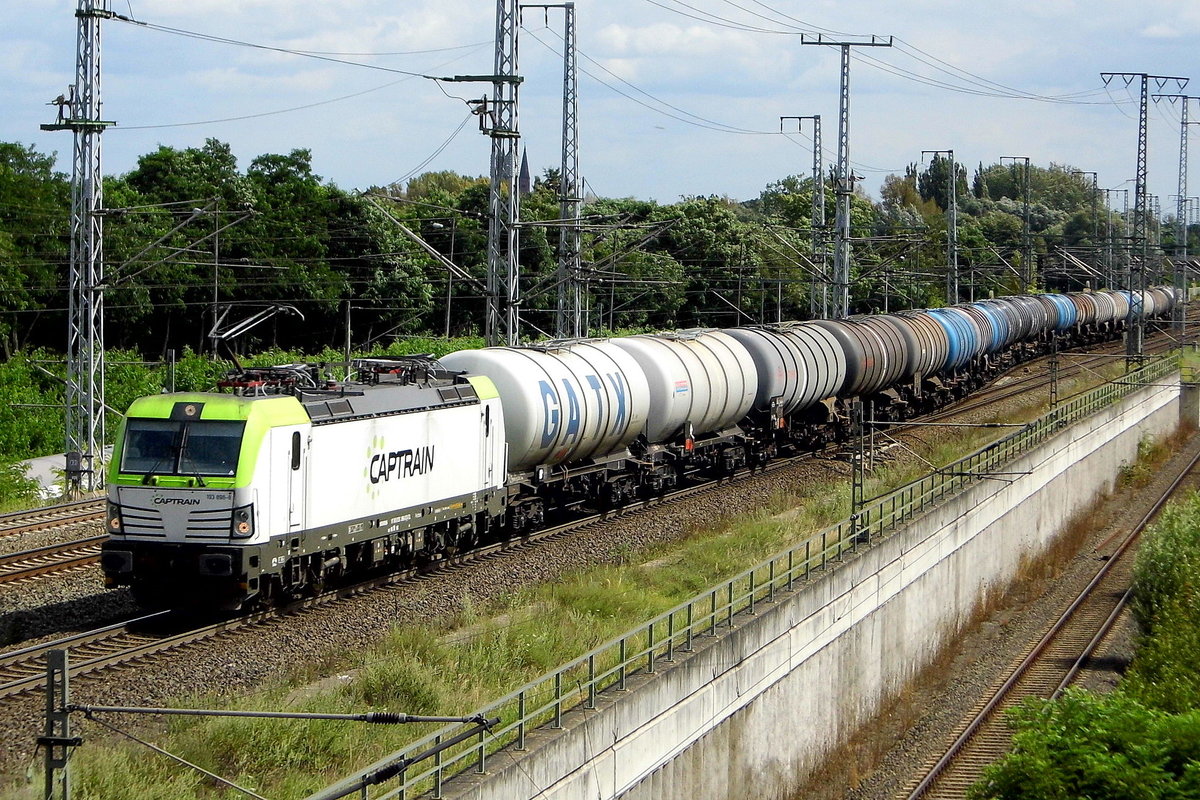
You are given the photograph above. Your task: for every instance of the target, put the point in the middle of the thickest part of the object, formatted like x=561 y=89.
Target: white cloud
x=1161 y=31
x=736 y=77
x=666 y=51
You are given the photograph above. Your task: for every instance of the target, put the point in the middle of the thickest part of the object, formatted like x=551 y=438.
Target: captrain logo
x=384 y=465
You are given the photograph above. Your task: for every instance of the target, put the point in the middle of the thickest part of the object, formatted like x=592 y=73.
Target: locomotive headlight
x=243 y=522
x=113 y=523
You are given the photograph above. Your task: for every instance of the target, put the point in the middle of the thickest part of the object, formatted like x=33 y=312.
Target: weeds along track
x=1047 y=668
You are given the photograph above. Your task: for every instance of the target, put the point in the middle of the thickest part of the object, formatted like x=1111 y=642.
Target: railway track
x=1047 y=668
x=50 y=560
x=132 y=642
x=22 y=669
x=57 y=516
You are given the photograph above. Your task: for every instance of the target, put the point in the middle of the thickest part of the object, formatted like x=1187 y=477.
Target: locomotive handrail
x=579 y=682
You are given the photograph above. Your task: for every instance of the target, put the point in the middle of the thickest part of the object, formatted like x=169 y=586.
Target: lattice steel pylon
x=1181 y=228
x=1028 y=276
x=820 y=251
x=818 y=294
x=1135 y=322
x=503 y=322
x=845 y=189
x=79 y=112
x=844 y=179
x=569 y=317
x=951 y=227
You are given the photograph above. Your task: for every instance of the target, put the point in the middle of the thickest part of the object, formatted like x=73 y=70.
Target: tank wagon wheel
x=525 y=516
x=315 y=584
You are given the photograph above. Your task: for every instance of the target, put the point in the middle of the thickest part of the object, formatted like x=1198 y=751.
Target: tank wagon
x=270 y=492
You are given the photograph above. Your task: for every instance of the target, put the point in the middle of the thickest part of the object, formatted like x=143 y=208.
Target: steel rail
x=1036 y=654
x=18 y=522
x=50 y=559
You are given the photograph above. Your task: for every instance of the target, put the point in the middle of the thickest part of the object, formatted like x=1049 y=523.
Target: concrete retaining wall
x=754 y=712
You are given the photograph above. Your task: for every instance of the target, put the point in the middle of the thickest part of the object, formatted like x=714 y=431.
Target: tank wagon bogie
x=234 y=500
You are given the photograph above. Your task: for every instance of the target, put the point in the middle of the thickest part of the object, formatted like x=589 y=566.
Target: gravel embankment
x=54 y=605
x=246 y=660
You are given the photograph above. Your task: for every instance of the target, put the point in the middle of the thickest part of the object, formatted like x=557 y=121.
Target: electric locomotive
x=224 y=500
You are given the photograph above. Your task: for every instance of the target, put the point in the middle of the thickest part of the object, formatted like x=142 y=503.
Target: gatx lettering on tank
x=400 y=464
x=553 y=406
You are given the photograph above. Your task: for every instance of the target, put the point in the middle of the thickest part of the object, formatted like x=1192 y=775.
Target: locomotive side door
x=489 y=445
x=297 y=468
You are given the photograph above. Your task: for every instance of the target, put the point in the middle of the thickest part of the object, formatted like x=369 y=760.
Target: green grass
x=455 y=665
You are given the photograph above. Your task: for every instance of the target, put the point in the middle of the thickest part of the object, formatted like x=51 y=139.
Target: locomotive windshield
x=170 y=447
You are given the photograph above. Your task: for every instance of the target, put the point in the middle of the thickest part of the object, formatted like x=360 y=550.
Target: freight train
x=290 y=481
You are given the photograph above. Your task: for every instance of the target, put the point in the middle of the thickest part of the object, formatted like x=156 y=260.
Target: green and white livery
x=235 y=499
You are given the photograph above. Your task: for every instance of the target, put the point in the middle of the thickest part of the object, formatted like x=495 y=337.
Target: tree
x=979 y=187
x=934 y=182
x=34 y=243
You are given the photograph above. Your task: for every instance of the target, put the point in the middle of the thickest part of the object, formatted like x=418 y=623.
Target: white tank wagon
x=563 y=402
x=700 y=382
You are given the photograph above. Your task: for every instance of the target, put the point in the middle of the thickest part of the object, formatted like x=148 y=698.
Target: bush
x=17 y=490
x=1168 y=562
x=1102 y=748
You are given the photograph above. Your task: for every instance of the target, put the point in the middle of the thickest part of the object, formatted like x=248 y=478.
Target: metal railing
x=609 y=667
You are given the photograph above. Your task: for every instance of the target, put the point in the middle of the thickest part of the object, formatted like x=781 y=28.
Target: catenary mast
x=79 y=112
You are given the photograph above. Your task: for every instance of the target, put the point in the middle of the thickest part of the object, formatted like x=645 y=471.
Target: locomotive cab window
x=170 y=447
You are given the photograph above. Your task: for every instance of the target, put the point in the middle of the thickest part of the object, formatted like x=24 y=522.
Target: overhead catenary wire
x=440 y=149
x=319 y=55
x=207 y=37
x=977 y=84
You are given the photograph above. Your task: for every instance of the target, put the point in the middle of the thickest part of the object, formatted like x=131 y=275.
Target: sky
x=677 y=97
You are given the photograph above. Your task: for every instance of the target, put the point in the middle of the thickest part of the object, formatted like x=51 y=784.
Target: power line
x=261 y=114
x=435 y=153
x=981 y=83
x=207 y=37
